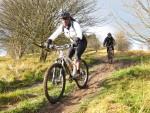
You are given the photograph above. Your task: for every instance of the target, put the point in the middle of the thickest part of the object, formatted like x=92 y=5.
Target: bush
x=122 y=42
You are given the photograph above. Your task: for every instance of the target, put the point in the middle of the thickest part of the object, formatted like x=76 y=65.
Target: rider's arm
x=78 y=30
x=56 y=33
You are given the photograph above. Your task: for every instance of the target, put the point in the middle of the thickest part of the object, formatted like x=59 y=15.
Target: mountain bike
x=55 y=77
x=110 y=54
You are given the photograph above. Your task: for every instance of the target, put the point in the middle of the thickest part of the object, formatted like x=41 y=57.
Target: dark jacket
x=109 y=41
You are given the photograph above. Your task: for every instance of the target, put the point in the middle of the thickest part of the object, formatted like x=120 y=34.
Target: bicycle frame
x=63 y=60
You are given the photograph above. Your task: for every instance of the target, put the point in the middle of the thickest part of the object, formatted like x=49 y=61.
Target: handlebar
x=55 y=47
x=61 y=47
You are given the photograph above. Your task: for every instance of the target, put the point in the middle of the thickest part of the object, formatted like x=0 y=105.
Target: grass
x=125 y=92
x=28 y=80
x=28 y=106
x=19 y=95
x=28 y=71
x=134 y=71
x=133 y=56
x=22 y=73
x=28 y=100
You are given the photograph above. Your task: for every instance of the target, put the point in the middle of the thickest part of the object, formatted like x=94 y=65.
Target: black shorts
x=78 y=51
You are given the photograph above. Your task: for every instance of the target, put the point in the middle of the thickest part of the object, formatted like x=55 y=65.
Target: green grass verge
x=28 y=100
x=127 y=91
x=28 y=106
x=137 y=57
x=29 y=79
x=20 y=95
x=111 y=96
x=29 y=70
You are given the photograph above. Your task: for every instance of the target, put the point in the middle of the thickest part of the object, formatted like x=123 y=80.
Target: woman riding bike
x=72 y=30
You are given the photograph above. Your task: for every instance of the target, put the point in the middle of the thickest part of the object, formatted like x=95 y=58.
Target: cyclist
x=72 y=30
x=109 y=42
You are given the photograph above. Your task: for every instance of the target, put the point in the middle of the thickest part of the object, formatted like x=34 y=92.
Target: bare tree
x=26 y=21
x=140 y=31
x=122 y=42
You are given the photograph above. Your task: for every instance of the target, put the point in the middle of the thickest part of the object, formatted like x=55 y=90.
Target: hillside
x=125 y=91
x=121 y=87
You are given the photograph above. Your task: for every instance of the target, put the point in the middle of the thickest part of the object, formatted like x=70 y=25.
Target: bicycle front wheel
x=54 y=83
x=83 y=79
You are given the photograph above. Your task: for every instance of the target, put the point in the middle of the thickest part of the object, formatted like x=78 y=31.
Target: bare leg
x=74 y=67
x=78 y=64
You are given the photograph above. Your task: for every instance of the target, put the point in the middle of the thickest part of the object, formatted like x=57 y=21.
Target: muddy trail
x=69 y=104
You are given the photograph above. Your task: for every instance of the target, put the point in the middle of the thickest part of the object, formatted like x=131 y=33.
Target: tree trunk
x=43 y=55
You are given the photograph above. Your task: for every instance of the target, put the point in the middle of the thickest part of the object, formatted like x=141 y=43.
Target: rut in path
x=70 y=103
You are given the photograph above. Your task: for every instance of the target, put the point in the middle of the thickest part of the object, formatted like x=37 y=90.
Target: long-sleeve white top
x=72 y=33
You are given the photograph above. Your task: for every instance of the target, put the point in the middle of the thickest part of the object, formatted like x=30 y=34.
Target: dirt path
x=70 y=103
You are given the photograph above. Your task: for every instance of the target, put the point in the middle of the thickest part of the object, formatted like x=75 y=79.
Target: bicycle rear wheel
x=83 y=79
x=110 y=57
x=54 y=83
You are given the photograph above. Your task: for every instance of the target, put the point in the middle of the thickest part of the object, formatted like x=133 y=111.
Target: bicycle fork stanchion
x=53 y=77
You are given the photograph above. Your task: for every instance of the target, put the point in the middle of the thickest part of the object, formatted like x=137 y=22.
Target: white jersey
x=72 y=33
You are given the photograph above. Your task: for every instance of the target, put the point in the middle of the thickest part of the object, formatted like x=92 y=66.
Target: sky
x=2 y=52
x=110 y=6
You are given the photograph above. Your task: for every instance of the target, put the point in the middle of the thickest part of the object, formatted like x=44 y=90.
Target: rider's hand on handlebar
x=74 y=44
x=48 y=43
